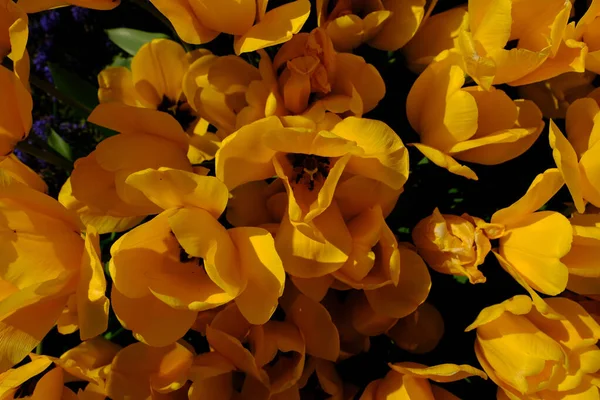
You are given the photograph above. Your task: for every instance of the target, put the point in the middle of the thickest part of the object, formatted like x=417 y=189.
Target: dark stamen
x=180 y=110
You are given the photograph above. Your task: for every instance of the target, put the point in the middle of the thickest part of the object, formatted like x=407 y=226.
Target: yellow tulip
x=468 y=124
x=257 y=203
x=533 y=243
x=584 y=270
x=42 y=242
x=384 y=25
x=340 y=82
x=420 y=332
x=272 y=367
x=183 y=261
x=45 y=377
x=230 y=93
x=545 y=45
x=97 y=190
x=33 y=6
x=588 y=31
x=16 y=105
x=141 y=372
x=409 y=380
x=156 y=81
x=200 y=21
x=530 y=356
x=436 y=34
x=14 y=31
x=455 y=245
x=577 y=155
x=555 y=95
x=17 y=170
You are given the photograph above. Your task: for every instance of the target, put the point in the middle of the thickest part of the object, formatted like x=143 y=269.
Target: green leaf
x=423 y=161
x=130 y=40
x=460 y=279
x=81 y=92
x=120 y=61
x=59 y=145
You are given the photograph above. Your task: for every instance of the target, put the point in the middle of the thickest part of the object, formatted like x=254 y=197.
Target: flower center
x=308 y=169
x=180 y=110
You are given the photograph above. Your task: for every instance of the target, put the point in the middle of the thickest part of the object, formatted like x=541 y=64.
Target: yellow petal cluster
x=530 y=356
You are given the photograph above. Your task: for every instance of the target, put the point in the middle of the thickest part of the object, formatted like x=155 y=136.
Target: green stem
x=148 y=7
x=46 y=155
x=38 y=349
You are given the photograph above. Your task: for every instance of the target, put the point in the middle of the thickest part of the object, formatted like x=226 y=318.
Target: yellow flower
x=584 y=270
x=436 y=34
x=533 y=243
x=13 y=167
x=200 y=21
x=419 y=332
x=141 y=372
x=385 y=25
x=15 y=118
x=272 y=367
x=533 y=357
x=45 y=262
x=155 y=81
x=455 y=245
x=311 y=162
x=45 y=377
x=184 y=261
x=546 y=46
x=96 y=189
x=588 y=31
x=14 y=31
x=577 y=158
x=409 y=380
x=340 y=82
x=468 y=124
x=258 y=203
x=230 y=93
x=33 y=6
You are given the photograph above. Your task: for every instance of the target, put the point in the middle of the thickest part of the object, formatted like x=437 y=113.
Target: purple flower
x=49 y=20
x=40 y=126
x=80 y=14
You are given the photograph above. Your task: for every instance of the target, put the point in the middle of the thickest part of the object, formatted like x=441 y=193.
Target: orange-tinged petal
x=445 y=161
x=535 y=246
x=315 y=249
x=491 y=22
x=157 y=71
x=233 y=167
x=398 y=29
x=314 y=288
x=567 y=163
x=263 y=267
x=580 y=126
x=171 y=188
x=115 y=84
x=152 y=321
x=201 y=235
x=385 y=157
x=12 y=166
x=22 y=331
x=187 y=24
x=15 y=121
x=351 y=204
x=233 y=17
x=275 y=27
x=320 y=334
x=364 y=78
x=15 y=377
x=419 y=332
x=412 y=289
x=590 y=170
x=50 y=386
x=365 y=320
x=92 y=304
x=438 y=373
x=541 y=190
x=127 y=119
x=517 y=305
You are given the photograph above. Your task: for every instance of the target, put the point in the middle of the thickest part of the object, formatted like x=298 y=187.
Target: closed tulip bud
x=452 y=245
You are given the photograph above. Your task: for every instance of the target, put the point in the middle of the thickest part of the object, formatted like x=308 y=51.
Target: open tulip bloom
x=266 y=200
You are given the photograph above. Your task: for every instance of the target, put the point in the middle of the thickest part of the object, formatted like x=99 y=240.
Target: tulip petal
x=264 y=270
x=438 y=373
x=412 y=289
x=491 y=22
x=185 y=21
x=275 y=27
x=401 y=26
x=541 y=190
x=116 y=85
x=568 y=165
x=233 y=17
x=152 y=321
x=92 y=304
x=445 y=161
x=12 y=166
x=171 y=188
